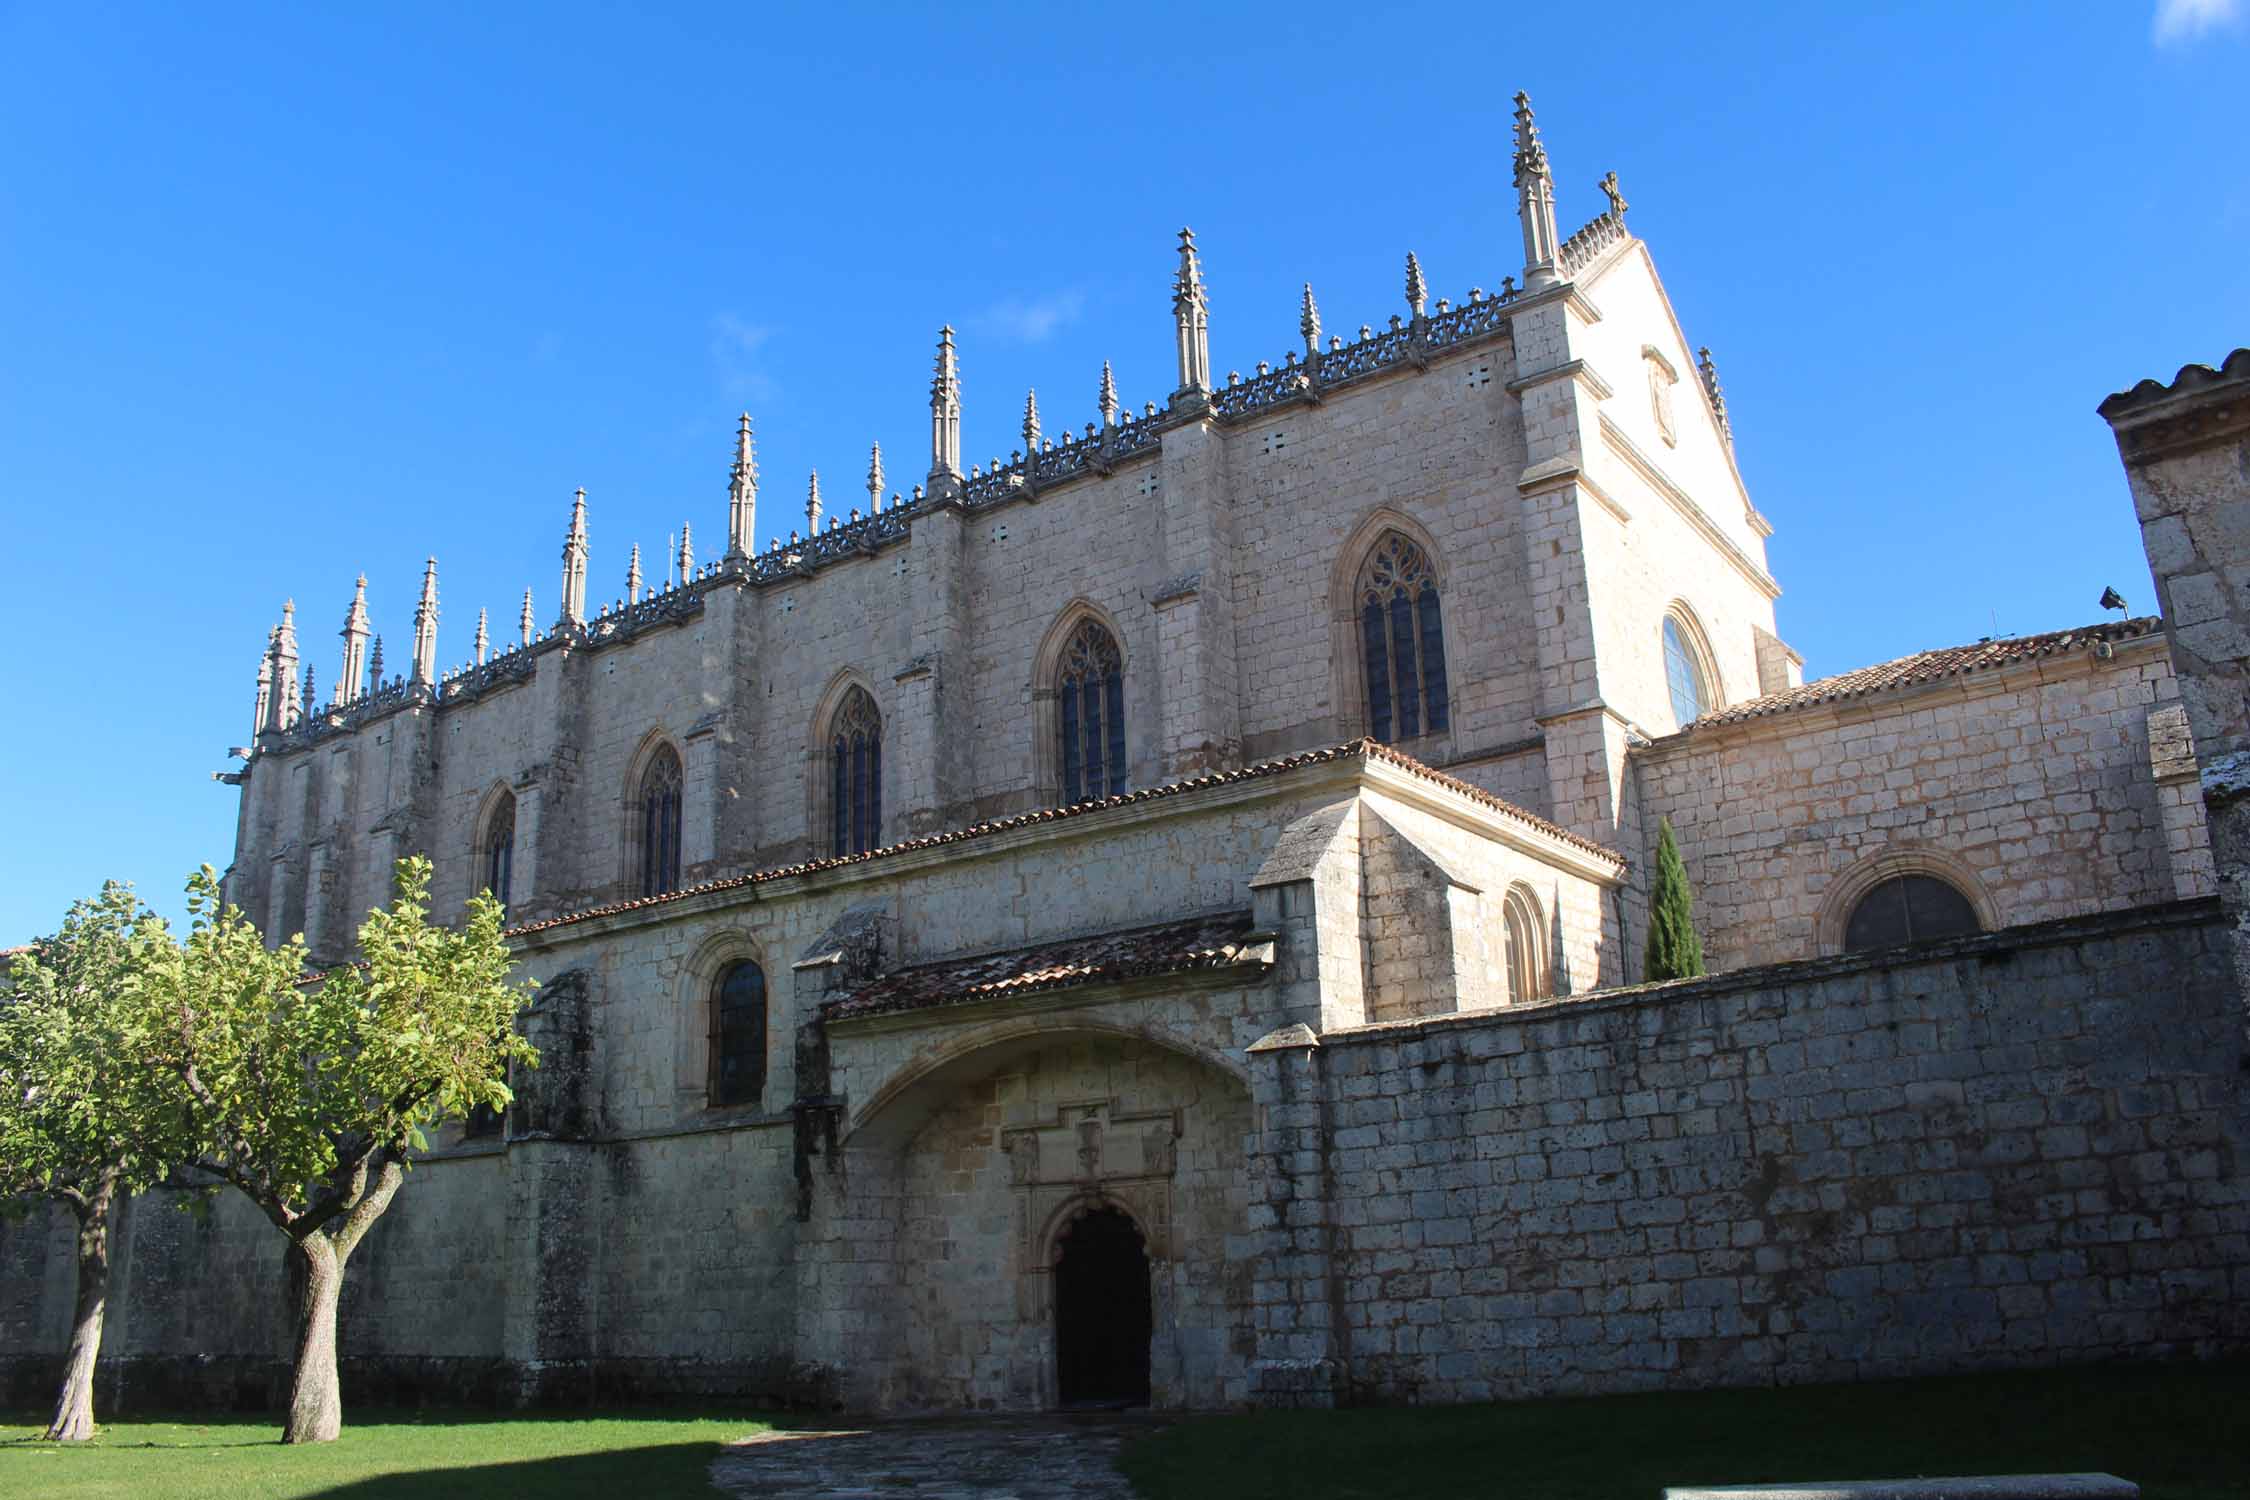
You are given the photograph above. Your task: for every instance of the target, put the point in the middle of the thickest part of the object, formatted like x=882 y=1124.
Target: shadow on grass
x=667 y=1470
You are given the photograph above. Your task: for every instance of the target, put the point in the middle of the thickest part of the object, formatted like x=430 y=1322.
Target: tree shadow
x=666 y=1469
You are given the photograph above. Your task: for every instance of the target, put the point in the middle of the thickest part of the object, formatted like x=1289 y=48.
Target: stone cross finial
x=633 y=576
x=812 y=506
x=742 y=494
x=1709 y=370
x=484 y=641
x=574 y=564
x=1417 y=290
x=1308 y=324
x=425 y=628
x=355 y=644
x=524 y=625
x=945 y=413
x=1108 y=396
x=1535 y=201
x=874 y=478
x=1617 y=204
x=1191 y=318
x=687 y=552
x=1031 y=424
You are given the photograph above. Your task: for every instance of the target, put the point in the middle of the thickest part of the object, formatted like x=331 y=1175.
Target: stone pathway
x=991 y=1458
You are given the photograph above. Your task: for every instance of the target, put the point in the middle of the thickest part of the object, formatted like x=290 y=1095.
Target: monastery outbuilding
x=1155 y=918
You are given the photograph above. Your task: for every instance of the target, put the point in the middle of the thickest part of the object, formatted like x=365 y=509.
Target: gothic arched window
x=1522 y=931
x=1683 y=671
x=738 y=1036
x=855 y=776
x=660 y=823
x=1090 y=696
x=1909 y=909
x=1402 y=642
x=498 y=854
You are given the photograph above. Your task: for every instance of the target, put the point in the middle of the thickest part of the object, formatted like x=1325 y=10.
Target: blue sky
x=290 y=295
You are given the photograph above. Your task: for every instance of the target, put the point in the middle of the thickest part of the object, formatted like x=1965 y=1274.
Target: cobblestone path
x=993 y=1458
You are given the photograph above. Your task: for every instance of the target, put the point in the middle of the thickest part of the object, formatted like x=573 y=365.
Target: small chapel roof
x=1926 y=667
x=1215 y=942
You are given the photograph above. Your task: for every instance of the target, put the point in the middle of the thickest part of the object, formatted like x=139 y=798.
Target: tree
x=1674 y=951
x=309 y=1093
x=80 y=1123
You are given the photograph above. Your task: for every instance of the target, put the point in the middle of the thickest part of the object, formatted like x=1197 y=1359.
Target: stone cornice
x=2201 y=408
x=1577 y=369
x=1694 y=514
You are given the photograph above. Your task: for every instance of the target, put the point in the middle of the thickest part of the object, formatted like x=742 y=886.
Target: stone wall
x=2015 y=1149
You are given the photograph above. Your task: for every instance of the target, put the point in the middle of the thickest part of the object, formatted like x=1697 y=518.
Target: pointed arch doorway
x=1104 y=1319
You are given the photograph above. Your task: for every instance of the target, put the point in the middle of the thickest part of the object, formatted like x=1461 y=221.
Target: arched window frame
x=1079 y=695
x=848 y=774
x=1523 y=935
x=495 y=849
x=1414 y=627
x=739 y=1028
x=696 y=1037
x=654 y=809
x=1680 y=621
x=1849 y=888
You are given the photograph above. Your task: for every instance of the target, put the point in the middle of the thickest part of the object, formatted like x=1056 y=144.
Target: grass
x=381 y=1456
x=2182 y=1432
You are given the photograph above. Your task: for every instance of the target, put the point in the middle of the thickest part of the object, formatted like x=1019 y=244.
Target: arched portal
x=1103 y=1314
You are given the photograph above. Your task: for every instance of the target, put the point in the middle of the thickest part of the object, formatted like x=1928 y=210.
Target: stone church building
x=1157 y=918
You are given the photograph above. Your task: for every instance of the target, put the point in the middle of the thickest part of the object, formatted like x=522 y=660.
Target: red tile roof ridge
x=1364 y=748
x=1925 y=667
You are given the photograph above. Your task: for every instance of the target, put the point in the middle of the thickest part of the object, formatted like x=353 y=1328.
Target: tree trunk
x=74 y=1407
x=316 y=1400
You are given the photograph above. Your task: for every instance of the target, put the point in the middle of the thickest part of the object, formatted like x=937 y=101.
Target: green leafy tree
x=80 y=1122
x=1674 y=951
x=310 y=1093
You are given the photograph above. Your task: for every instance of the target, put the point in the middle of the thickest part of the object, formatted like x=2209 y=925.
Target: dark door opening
x=1102 y=1315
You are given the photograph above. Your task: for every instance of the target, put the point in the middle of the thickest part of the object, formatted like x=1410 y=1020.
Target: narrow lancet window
x=1091 y=695
x=499 y=852
x=660 y=823
x=855 y=776
x=738 y=1036
x=1402 y=642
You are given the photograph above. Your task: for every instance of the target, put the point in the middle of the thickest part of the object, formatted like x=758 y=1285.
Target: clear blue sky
x=285 y=295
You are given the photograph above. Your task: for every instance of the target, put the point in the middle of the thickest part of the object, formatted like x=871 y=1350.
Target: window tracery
x=1090 y=694
x=1529 y=975
x=1402 y=642
x=1909 y=909
x=855 y=776
x=498 y=854
x=659 y=802
x=738 y=1036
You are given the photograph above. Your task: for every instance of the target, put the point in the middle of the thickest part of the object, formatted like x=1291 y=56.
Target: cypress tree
x=1674 y=951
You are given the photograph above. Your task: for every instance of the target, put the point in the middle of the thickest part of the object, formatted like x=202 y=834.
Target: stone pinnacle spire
x=355 y=644
x=945 y=414
x=523 y=626
x=812 y=507
x=1308 y=324
x=425 y=627
x=264 y=717
x=282 y=703
x=1108 y=397
x=308 y=689
x=1709 y=370
x=1417 y=290
x=874 y=478
x=687 y=552
x=375 y=665
x=484 y=640
x=1191 y=318
x=1031 y=424
x=1535 y=201
x=633 y=576
x=742 y=495
x=574 y=564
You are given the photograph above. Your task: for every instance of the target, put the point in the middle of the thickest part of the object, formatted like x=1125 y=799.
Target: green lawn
x=381 y=1456
x=2182 y=1432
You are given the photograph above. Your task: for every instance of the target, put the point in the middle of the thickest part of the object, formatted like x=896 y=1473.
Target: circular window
x=1909 y=909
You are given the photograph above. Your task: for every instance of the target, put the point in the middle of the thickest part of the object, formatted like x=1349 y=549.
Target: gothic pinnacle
x=1191 y=318
x=742 y=494
x=687 y=552
x=1417 y=290
x=1531 y=155
x=484 y=641
x=375 y=665
x=355 y=644
x=524 y=625
x=425 y=628
x=633 y=576
x=1535 y=202
x=1031 y=424
x=812 y=507
x=574 y=564
x=874 y=478
x=1709 y=370
x=1308 y=324
x=1108 y=397
x=945 y=414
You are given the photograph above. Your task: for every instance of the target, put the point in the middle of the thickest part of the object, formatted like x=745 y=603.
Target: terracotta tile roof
x=2192 y=378
x=1168 y=948
x=1928 y=666
x=1364 y=749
